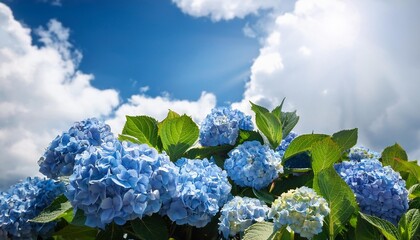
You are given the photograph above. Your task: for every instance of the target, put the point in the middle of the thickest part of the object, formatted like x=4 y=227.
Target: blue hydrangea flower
x=222 y=126
x=281 y=149
x=58 y=159
x=203 y=188
x=117 y=182
x=380 y=191
x=253 y=165
x=300 y=209
x=240 y=213
x=359 y=153
x=25 y=201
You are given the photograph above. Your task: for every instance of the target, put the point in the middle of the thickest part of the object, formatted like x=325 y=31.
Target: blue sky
x=340 y=64
x=151 y=43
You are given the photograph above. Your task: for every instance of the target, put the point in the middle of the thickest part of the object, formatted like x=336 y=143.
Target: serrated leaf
x=414 y=191
x=142 y=128
x=289 y=121
x=269 y=124
x=150 y=227
x=302 y=143
x=414 y=203
x=386 y=228
x=324 y=154
x=346 y=139
x=389 y=154
x=365 y=231
x=73 y=232
x=207 y=152
x=263 y=196
x=340 y=198
x=260 y=231
x=54 y=211
x=409 y=224
x=277 y=110
x=178 y=135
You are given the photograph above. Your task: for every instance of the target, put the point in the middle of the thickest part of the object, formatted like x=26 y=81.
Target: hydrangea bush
x=227 y=178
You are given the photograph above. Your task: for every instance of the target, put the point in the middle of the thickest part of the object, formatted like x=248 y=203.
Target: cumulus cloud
x=341 y=64
x=42 y=92
x=158 y=107
x=221 y=9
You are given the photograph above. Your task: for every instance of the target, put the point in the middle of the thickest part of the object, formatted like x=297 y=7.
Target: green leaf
x=409 y=224
x=249 y=136
x=269 y=124
x=345 y=138
x=277 y=110
x=324 y=154
x=207 y=152
x=111 y=232
x=54 y=211
x=79 y=218
x=389 y=155
x=73 y=232
x=263 y=196
x=291 y=182
x=260 y=231
x=302 y=143
x=289 y=121
x=414 y=191
x=365 y=231
x=414 y=203
x=178 y=135
x=386 y=228
x=340 y=198
x=150 y=227
x=142 y=128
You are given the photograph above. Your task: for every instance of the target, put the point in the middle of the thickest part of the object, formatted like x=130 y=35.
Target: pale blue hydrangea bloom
x=380 y=191
x=203 y=189
x=300 y=209
x=58 y=159
x=117 y=182
x=240 y=213
x=253 y=165
x=24 y=201
x=359 y=153
x=222 y=126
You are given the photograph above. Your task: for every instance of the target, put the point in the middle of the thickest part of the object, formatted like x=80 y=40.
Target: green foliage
x=291 y=182
x=260 y=231
x=346 y=139
x=288 y=119
x=409 y=225
x=365 y=231
x=340 y=198
x=140 y=129
x=302 y=143
x=111 y=232
x=73 y=232
x=324 y=154
x=153 y=227
x=269 y=124
x=264 y=196
x=249 y=136
x=386 y=228
x=59 y=208
x=178 y=134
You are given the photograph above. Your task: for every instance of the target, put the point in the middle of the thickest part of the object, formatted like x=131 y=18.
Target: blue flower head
x=117 y=182
x=253 y=165
x=203 y=188
x=240 y=213
x=24 y=201
x=58 y=159
x=300 y=209
x=380 y=191
x=222 y=126
x=359 y=153
x=281 y=149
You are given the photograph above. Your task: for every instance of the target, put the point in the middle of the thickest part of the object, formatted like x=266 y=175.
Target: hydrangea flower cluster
x=203 y=189
x=253 y=165
x=240 y=213
x=281 y=149
x=117 y=182
x=25 y=201
x=300 y=209
x=380 y=191
x=222 y=126
x=58 y=159
x=359 y=153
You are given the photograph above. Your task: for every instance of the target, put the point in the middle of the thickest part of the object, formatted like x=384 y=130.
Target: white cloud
x=341 y=64
x=222 y=9
x=42 y=92
x=158 y=107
